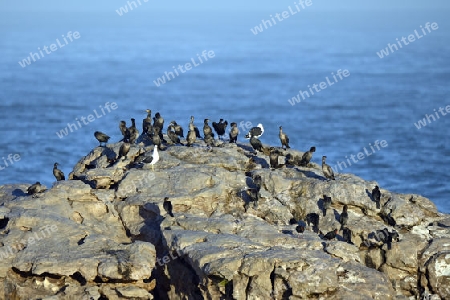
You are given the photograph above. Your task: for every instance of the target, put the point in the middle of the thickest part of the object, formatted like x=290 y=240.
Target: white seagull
x=255 y=131
x=155 y=156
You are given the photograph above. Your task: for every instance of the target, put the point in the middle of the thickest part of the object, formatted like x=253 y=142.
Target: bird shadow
x=261 y=161
x=340 y=238
x=310 y=174
x=320 y=204
x=250 y=183
x=302 y=223
x=109 y=153
x=245 y=197
x=370 y=195
x=246 y=147
x=336 y=214
x=19 y=193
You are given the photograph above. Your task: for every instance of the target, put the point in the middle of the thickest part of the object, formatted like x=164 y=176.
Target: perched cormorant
x=313 y=218
x=326 y=169
x=388 y=218
x=172 y=135
x=178 y=129
x=300 y=228
x=197 y=132
x=255 y=131
x=326 y=204
x=134 y=132
x=220 y=127
x=155 y=157
x=158 y=121
x=191 y=136
x=209 y=140
x=233 y=132
x=59 y=175
x=257 y=181
x=386 y=237
x=207 y=130
x=251 y=164
x=330 y=235
x=167 y=205
x=256 y=144
x=376 y=196
x=273 y=158
x=147 y=123
x=343 y=218
x=254 y=196
x=284 y=139
x=123 y=150
x=124 y=130
x=347 y=235
x=156 y=137
x=34 y=188
x=307 y=156
x=101 y=137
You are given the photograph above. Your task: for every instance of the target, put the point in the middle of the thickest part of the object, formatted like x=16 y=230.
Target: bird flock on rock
x=152 y=132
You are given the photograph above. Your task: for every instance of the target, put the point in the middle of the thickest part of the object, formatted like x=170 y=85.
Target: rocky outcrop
x=104 y=234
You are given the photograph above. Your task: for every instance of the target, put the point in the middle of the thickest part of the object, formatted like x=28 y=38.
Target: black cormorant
x=256 y=144
x=284 y=139
x=343 y=218
x=167 y=205
x=34 y=188
x=191 y=136
x=326 y=204
x=134 y=132
x=307 y=156
x=327 y=170
x=376 y=196
x=101 y=137
x=220 y=127
x=158 y=121
x=124 y=130
x=147 y=123
x=233 y=133
x=330 y=235
x=178 y=129
x=123 y=150
x=59 y=175
x=207 y=130
x=195 y=129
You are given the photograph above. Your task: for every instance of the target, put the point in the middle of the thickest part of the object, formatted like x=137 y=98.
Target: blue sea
x=249 y=80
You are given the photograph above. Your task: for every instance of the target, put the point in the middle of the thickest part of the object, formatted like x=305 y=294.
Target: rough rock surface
x=104 y=234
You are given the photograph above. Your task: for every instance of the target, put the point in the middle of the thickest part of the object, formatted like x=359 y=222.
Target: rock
x=104 y=232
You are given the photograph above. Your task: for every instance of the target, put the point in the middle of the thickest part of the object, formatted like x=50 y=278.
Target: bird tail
x=324 y=212
x=378 y=204
x=171 y=214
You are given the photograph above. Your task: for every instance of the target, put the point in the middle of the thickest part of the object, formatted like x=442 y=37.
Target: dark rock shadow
x=180 y=273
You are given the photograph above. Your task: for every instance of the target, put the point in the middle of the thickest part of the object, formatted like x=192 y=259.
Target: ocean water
x=249 y=80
